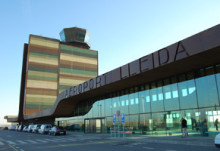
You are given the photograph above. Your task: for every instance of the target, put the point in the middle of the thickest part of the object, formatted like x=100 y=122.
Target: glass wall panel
x=108 y=107
x=124 y=104
x=109 y=123
x=171 y=101
x=95 y=109
x=207 y=91
x=209 y=120
x=99 y=110
x=156 y=99
x=173 y=125
x=187 y=94
x=134 y=103
x=146 y=125
x=144 y=100
x=159 y=123
x=193 y=120
x=218 y=84
x=115 y=105
x=134 y=123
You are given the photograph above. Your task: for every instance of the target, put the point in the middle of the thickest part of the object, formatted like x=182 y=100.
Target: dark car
x=57 y=131
x=36 y=128
x=5 y=128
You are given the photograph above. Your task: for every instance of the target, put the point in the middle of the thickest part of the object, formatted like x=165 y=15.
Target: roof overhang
x=11 y=119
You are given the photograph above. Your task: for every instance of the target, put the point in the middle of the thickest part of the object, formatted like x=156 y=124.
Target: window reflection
x=171 y=97
x=134 y=107
x=168 y=95
x=187 y=100
x=157 y=103
x=207 y=91
x=144 y=101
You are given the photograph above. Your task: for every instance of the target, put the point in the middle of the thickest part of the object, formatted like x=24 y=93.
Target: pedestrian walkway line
x=21 y=142
x=59 y=140
x=148 y=148
x=10 y=142
x=50 y=140
x=1 y=143
x=170 y=150
x=42 y=141
x=30 y=141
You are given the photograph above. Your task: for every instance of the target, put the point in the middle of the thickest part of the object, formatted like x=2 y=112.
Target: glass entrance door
x=93 y=125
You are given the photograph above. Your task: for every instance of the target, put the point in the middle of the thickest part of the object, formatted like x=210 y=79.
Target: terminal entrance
x=94 y=125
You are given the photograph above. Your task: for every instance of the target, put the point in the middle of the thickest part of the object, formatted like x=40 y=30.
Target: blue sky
x=121 y=30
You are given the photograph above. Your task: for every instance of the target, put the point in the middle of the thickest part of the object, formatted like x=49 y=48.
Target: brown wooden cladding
x=85 y=66
x=44 y=50
x=41 y=91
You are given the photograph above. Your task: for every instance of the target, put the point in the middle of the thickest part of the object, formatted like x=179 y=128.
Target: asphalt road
x=20 y=141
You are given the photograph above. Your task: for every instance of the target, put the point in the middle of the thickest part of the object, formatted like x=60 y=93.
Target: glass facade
x=156 y=108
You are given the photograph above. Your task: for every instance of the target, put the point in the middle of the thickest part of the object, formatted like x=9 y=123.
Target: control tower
x=75 y=36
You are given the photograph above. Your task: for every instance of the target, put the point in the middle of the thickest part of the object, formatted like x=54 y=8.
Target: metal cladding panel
x=134 y=67
x=42 y=74
x=125 y=71
x=77 y=65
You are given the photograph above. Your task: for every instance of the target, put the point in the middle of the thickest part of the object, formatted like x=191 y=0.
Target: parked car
x=25 y=129
x=217 y=140
x=30 y=127
x=57 y=131
x=5 y=128
x=44 y=129
x=20 y=127
x=16 y=129
x=12 y=128
x=36 y=128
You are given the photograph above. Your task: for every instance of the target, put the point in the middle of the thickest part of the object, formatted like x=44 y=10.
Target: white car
x=44 y=129
x=217 y=140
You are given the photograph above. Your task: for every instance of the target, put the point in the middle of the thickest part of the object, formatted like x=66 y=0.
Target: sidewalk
x=189 y=140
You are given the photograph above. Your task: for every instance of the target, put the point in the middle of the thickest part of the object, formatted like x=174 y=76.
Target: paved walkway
x=189 y=140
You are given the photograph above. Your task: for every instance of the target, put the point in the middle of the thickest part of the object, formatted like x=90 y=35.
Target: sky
x=121 y=31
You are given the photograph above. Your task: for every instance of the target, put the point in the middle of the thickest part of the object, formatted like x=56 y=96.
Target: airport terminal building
x=153 y=92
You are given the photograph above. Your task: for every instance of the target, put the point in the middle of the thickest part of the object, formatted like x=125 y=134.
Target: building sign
x=123 y=117
x=118 y=113
x=159 y=58
x=114 y=118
